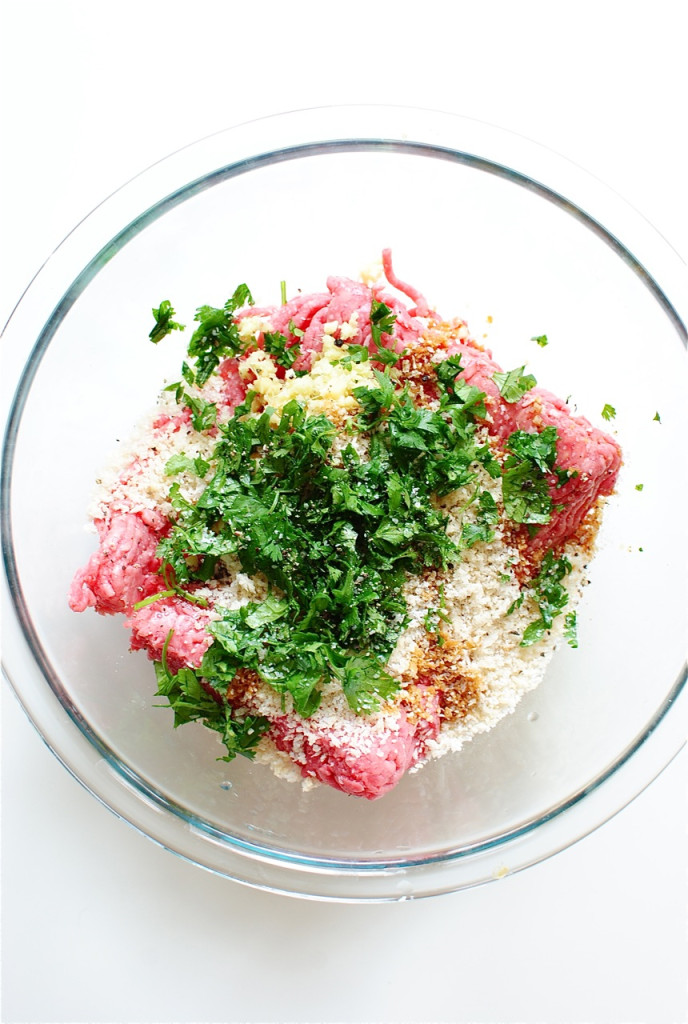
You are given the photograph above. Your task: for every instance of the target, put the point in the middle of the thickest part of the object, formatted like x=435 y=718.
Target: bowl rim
x=255 y=144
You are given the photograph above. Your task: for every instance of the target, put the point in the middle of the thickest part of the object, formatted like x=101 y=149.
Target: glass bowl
x=490 y=227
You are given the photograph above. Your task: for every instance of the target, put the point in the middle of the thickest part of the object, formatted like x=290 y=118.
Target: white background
x=98 y=923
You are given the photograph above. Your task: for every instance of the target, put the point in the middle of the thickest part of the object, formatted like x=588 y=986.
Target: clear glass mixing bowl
x=490 y=227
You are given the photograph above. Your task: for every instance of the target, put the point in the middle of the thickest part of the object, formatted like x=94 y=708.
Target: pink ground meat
x=360 y=758
x=124 y=568
x=184 y=623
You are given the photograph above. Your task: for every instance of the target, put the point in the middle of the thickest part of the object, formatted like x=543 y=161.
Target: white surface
x=98 y=923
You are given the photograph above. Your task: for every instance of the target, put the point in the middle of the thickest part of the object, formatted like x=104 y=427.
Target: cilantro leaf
x=355 y=354
x=481 y=529
x=277 y=345
x=608 y=412
x=181 y=463
x=164 y=324
x=382 y=321
x=466 y=400
x=540 y=339
x=514 y=384
x=365 y=683
x=192 y=701
x=203 y=413
x=525 y=493
x=447 y=371
x=525 y=485
x=551 y=598
x=539 y=448
x=217 y=335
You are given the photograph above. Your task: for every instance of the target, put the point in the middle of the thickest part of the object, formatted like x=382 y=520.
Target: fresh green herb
x=277 y=346
x=540 y=339
x=192 y=701
x=164 y=324
x=466 y=400
x=550 y=596
x=283 y=292
x=181 y=463
x=217 y=335
x=525 y=486
x=657 y=418
x=355 y=354
x=608 y=412
x=564 y=475
x=382 y=321
x=571 y=629
x=203 y=413
x=434 y=616
x=514 y=384
x=639 y=487
x=481 y=529
x=154 y=597
x=526 y=495
x=539 y=448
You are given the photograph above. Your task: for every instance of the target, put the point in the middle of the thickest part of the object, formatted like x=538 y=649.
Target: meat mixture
x=346 y=537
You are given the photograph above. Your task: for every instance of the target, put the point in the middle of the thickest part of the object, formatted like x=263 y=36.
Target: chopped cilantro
x=525 y=486
x=540 y=339
x=526 y=495
x=540 y=449
x=192 y=701
x=217 y=335
x=164 y=324
x=550 y=596
x=277 y=345
x=656 y=418
x=382 y=321
x=466 y=400
x=154 y=597
x=365 y=682
x=181 y=463
x=481 y=529
x=355 y=354
x=434 y=616
x=203 y=413
x=639 y=487
x=571 y=629
x=608 y=412
x=336 y=538
x=514 y=384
